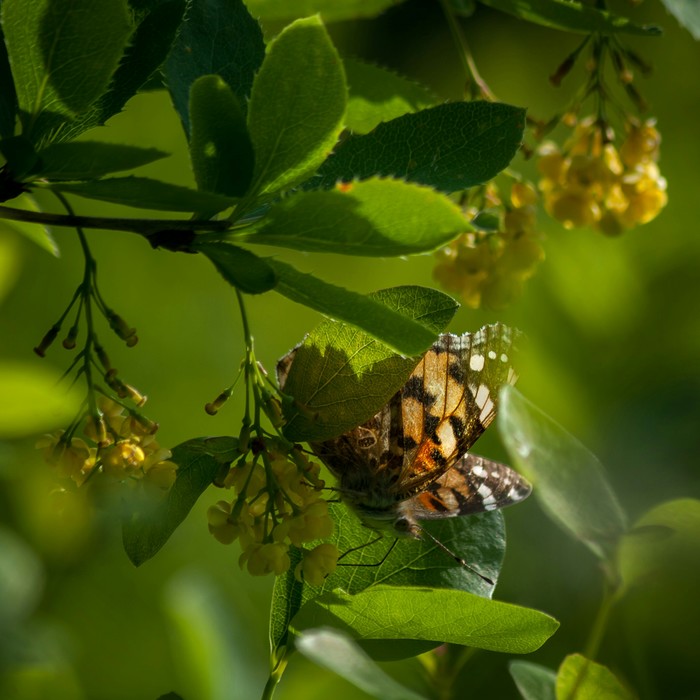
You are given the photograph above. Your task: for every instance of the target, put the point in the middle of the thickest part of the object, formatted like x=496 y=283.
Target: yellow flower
x=317 y=564
x=263 y=559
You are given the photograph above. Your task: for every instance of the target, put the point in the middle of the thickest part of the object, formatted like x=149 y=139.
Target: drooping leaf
x=33 y=400
x=343 y=376
x=569 y=481
x=687 y=13
x=145 y=193
x=331 y=10
x=571 y=17
x=86 y=160
x=477 y=539
x=218 y=37
x=376 y=217
x=239 y=267
x=534 y=682
x=198 y=461
x=297 y=106
x=583 y=679
x=147 y=49
x=37 y=233
x=431 y=614
x=449 y=147
x=338 y=653
x=377 y=95
x=62 y=55
x=220 y=147
x=663 y=544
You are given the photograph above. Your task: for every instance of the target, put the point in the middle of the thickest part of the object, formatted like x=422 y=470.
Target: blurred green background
x=613 y=354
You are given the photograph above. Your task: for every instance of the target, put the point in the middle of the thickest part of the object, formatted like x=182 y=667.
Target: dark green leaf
x=569 y=481
x=343 y=376
x=37 y=233
x=86 y=160
x=218 y=37
x=239 y=267
x=297 y=106
x=62 y=55
x=8 y=95
x=534 y=682
x=571 y=17
x=148 y=48
x=583 y=679
x=378 y=95
x=220 y=147
x=394 y=329
x=20 y=155
x=687 y=13
x=449 y=147
x=478 y=539
x=144 y=193
x=663 y=544
x=338 y=653
x=145 y=531
x=433 y=614
x=375 y=217
x=331 y=10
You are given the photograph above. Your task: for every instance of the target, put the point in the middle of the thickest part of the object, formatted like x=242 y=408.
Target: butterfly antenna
x=450 y=553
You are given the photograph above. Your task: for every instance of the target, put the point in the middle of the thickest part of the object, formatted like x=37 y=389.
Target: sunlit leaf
x=338 y=653
x=449 y=147
x=331 y=10
x=37 y=233
x=687 y=13
x=297 y=106
x=198 y=461
x=378 y=95
x=571 y=17
x=396 y=330
x=569 y=481
x=343 y=376
x=583 y=679
x=376 y=217
x=534 y=682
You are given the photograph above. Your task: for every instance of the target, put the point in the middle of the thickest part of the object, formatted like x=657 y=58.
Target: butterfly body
x=410 y=461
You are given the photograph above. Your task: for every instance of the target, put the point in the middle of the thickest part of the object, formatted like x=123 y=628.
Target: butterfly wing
x=450 y=399
x=473 y=485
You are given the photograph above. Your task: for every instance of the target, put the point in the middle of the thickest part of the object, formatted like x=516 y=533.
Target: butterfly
x=411 y=462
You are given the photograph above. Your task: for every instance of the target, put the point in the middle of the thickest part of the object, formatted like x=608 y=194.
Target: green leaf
x=145 y=193
x=220 y=147
x=477 y=539
x=331 y=10
x=583 y=679
x=662 y=544
x=239 y=267
x=432 y=614
x=569 y=481
x=403 y=334
x=687 y=13
x=218 y=37
x=21 y=581
x=374 y=218
x=378 y=95
x=338 y=653
x=534 y=682
x=296 y=106
x=146 y=530
x=8 y=95
x=20 y=155
x=148 y=48
x=62 y=55
x=33 y=400
x=343 y=376
x=41 y=235
x=449 y=147
x=571 y=17
x=85 y=160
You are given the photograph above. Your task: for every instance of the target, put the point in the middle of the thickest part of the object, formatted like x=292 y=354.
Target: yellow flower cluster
x=590 y=183
x=277 y=504
x=120 y=448
x=489 y=268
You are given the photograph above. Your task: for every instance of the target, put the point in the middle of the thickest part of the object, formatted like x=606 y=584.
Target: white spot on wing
x=492 y=355
x=476 y=362
x=479 y=471
x=504 y=357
